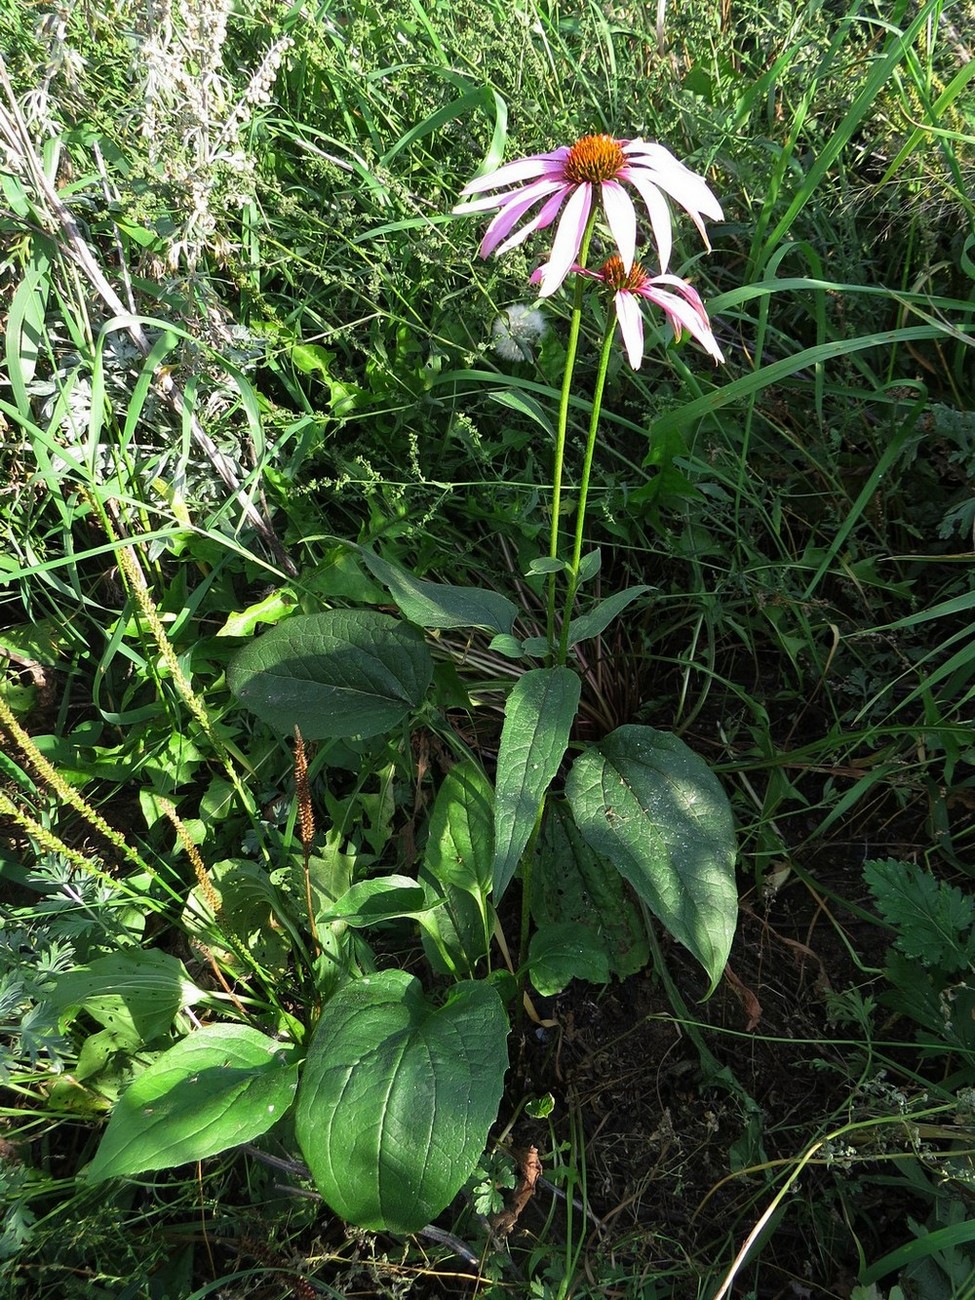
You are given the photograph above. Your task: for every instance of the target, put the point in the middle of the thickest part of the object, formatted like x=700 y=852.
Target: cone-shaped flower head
x=592 y=169
x=681 y=304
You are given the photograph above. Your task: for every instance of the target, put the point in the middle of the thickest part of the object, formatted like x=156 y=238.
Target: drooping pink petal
x=684 y=186
x=653 y=165
x=661 y=221
x=621 y=219
x=522 y=169
x=541 y=185
x=568 y=237
x=631 y=326
x=669 y=170
x=679 y=301
x=684 y=315
x=511 y=213
x=687 y=290
x=500 y=227
x=484 y=204
x=544 y=217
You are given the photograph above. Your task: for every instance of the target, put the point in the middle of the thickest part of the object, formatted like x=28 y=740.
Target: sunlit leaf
x=397 y=1097
x=656 y=811
x=341 y=673
x=218 y=1087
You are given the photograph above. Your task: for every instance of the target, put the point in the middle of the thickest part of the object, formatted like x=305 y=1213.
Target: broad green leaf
x=547 y=564
x=138 y=989
x=397 y=1097
x=338 y=578
x=341 y=673
x=329 y=875
x=537 y=720
x=572 y=885
x=381 y=899
x=600 y=616
x=558 y=954
x=455 y=933
x=589 y=566
x=459 y=857
x=437 y=604
x=218 y=1087
x=16 y=196
x=654 y=808
x=104 y=1069
x=460 y=841
x=536 y=646
x=509 y=646
x=312 y=358
x=524 y=405
x=42 y=640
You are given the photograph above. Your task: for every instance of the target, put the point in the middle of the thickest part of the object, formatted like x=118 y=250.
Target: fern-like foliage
x=933 y=920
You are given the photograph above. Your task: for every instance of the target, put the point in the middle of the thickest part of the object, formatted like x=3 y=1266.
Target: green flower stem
x=597 y=402
x=570 y=363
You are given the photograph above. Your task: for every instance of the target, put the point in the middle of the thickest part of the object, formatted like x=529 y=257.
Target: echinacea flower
x=680 y=303
x=570 y=176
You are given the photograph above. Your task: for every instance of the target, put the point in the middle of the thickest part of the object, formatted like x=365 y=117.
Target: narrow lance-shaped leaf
x=457 y=869
x=537 y=720
x=598 y=619
x=440 y=604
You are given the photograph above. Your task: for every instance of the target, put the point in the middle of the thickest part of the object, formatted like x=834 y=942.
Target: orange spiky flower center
x=614 y=273
x=594 y=158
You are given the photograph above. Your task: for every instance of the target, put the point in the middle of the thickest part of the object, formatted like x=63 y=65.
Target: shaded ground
x=693 y=1123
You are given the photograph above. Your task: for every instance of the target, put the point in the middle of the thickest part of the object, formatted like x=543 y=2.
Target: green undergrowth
x=250 y=356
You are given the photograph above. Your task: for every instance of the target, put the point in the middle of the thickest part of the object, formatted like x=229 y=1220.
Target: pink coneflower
x=680 y=303
x=569 y=176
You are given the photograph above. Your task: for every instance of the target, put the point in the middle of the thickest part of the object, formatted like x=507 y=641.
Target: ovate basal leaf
x=342 y=673
x=249 y=917
x=573 y=885
x=654 y=808
x=218 y=1087
x=138 y=989
x=561 y=953
x=397 y=1097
